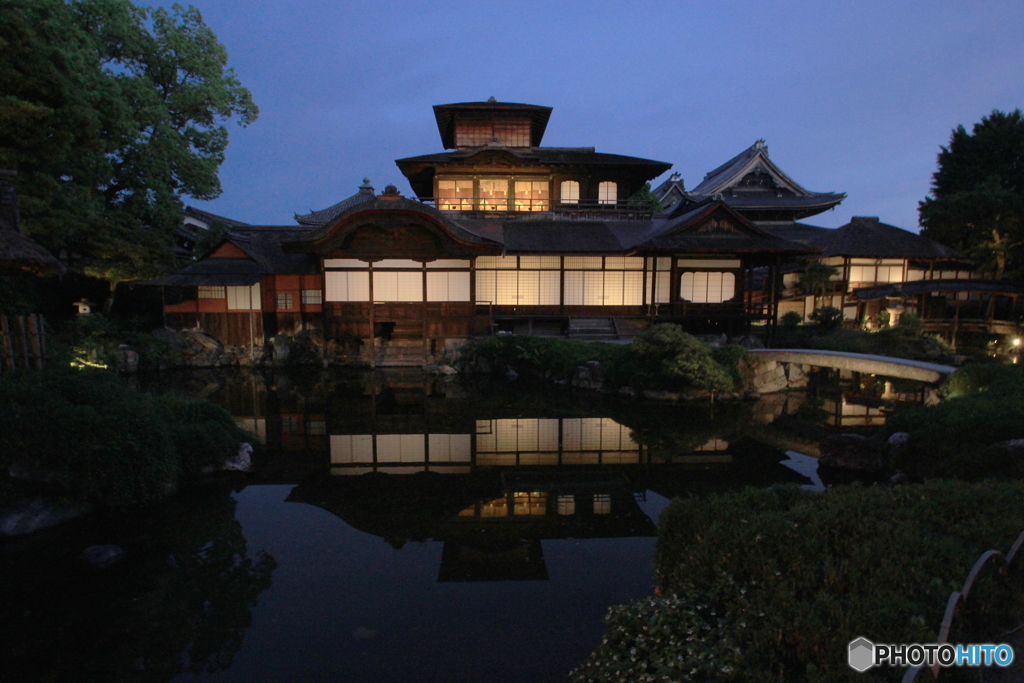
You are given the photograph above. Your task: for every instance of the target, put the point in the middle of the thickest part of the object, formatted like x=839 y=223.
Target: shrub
x=911 y=324
x=662 y=357
x=770 y=585
x=792 y=320
x=665 y=357
x=956 y=438
x=115 y=446
x=828 y=317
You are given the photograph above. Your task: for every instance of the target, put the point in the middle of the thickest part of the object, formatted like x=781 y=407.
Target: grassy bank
x=95 y=439
x=772 y=585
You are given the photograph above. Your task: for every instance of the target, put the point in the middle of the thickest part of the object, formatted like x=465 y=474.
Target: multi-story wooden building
x=502 y=234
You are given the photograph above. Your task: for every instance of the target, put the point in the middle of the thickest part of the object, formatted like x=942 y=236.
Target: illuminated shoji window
x=312 y=296
x=499 y=281
x=659 y=279
x=244 y=298
x=569 y=192
x=707 y=288
x=532 y=195
x=397 y=286
x=494 y=194
x=602 y=504
x=607 y=193
x=284 y=301
x=401 y=448
x=455 y=195
x=567 y=504
x=450 y=447
x=350 y=286
x=212 y=292
x=450 y=286
x=620 y=283
x=351 y=448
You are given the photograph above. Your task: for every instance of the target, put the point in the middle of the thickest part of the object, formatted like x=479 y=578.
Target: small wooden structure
x=22 y=342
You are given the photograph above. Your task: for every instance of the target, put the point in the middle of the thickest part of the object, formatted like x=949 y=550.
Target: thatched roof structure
x=18 y=253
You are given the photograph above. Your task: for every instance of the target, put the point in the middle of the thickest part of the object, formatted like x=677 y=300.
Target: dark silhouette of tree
x=977 y=198
x=111 y=113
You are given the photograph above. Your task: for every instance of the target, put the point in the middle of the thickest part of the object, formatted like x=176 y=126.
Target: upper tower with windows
x=498 y=165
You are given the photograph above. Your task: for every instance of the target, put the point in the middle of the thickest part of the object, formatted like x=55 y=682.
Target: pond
x=395 y=528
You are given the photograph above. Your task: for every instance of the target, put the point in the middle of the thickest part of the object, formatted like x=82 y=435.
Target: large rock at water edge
x=37 y=514
x=102 y=556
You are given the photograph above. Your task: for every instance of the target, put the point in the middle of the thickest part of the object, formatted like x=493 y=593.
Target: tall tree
x=111 y=113
x=977 y=199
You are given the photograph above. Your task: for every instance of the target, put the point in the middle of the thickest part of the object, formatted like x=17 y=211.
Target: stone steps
x=592 y=328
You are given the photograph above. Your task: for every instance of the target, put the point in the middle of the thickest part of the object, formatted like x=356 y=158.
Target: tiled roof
x=214 y=272
x=782 y=194
x=677 y=233
x=793 y=231
x=543 y=155
x=866 y=237
x=318 y=218
x=211 y=218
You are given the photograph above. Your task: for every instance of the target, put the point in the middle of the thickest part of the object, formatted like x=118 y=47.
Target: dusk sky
x=852 y=97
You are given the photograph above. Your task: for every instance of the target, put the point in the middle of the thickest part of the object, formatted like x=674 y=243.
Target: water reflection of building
x=491 y=522
x=517 y=442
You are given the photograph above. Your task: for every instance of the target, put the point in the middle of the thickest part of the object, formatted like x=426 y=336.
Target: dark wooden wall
x=229 y=328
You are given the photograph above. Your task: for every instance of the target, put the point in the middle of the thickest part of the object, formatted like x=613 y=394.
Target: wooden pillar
x=373 y=336
x=956 y=321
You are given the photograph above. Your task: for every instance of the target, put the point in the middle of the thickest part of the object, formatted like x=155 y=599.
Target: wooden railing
x=957 y=600
x=23 y=342
x=582 y=209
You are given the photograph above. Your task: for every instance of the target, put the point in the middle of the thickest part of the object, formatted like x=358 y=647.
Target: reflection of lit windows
x=494 y=508
x=290 y=424
x=316 y=427
x=607 y=193
x=529 y=504
x=602 y=503
x=284 y=301
x=708 y=288
x=569 y=192
x=312 y=296
x=567 y=504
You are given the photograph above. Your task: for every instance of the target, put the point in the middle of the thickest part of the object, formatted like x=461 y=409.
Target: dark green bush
x=984 y=405
x=791 y=320
x=828 y=317
x=662 y=357
x=771 y=585
x=105 y=443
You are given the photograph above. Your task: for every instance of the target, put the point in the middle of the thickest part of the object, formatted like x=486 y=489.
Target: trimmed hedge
x=772 y=585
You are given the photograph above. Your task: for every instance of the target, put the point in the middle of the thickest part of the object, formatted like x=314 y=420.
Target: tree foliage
x=111 y=113
x=977 y=198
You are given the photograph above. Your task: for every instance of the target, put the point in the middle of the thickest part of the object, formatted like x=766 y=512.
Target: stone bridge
x=931 y=373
